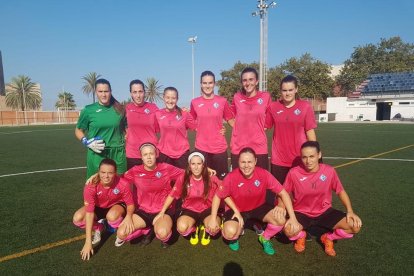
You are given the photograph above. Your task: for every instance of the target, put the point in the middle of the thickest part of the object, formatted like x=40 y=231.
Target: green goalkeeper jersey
x=105 y=122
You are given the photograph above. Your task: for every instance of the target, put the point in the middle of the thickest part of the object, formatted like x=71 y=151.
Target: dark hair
x=178 y=109
x=249 y=70
x=119 y=108
x=136 y=82
x=311 y=144
x=107 y=161
x=147 y=144
x=248 y=150
x=289 y=78
x=187 y=176
x=207 y=73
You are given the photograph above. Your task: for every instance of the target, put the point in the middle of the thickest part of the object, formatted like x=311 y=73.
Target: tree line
x=387 y=56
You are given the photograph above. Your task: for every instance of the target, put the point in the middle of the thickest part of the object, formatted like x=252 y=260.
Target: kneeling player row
x=108 y=196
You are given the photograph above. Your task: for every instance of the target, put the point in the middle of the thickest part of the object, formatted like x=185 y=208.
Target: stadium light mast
x=262 y=12
x=192 y=40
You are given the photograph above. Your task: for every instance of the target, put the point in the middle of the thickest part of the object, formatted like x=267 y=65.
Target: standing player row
x=102 y=125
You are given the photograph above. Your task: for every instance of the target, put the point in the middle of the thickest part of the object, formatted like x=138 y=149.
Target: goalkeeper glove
x=96 y=144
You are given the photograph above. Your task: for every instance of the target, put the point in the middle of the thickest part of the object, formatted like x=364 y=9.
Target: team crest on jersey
x=178 y=117
x=297 y=111
x=116 y=191
x=260 y=101
x=158 y=174
x=257 y=183
x=216 y=105
x=322 y=177
x=146 y=111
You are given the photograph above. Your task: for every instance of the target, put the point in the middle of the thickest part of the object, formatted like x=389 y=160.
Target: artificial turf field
x=36 y=212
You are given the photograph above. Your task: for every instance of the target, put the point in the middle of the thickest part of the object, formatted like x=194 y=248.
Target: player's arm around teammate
x=104 y=198
x=311 y=186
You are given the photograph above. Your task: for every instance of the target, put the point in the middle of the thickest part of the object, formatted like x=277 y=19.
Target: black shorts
x=149 y=217
x=101 y=212
x=180 y=162
x=133 y=162
x=198 y=217
x=326 y=220
x=262 y=161
x=217 y=161
x=279 y=172
x=258 y=213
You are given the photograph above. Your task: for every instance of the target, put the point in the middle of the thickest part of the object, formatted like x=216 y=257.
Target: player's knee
x=230 y=232
x=182 y=227
x=355 y=230
x=77 y=217
x=162 y=232
x=121 y=233
x=112 y=215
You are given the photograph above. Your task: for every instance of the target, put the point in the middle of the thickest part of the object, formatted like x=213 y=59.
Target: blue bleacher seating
x=389 y=82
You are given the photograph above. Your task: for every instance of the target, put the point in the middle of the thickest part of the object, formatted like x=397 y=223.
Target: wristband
x=84 y=140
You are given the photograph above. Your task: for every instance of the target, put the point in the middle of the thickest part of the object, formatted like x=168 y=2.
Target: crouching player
x=244 y=192
x=197 y=188
x=152 y=183
x=104 y=197
x=311 y=186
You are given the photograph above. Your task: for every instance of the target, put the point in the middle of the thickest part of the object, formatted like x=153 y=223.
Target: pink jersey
x=152 y=187
x=141 y=127
x=250 y=114
x=195 y=200
x=289 y=134
x=106 y=197
x=209 y=114
x=173 y=132
x=248 y=194
x=312 y=192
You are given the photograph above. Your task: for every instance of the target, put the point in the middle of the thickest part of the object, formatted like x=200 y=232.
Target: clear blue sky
x=57 y=42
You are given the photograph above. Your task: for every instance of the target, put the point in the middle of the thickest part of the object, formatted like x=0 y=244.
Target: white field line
x=28 y=131
x=341 y=158
x=33 y=172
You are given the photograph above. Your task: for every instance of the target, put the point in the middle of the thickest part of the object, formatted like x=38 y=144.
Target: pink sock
x=96 y=225
x=339 y=234
x=271 y=230
x=188 y=232
x=137 y=233
x=301 y=234
x=80 y=224
x=209 y=232
x=166 y=238
x=115 y=224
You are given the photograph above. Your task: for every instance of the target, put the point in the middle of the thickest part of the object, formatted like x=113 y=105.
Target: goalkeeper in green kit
x=101 y=128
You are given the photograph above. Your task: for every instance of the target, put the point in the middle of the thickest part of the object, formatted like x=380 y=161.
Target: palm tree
x=65 y=101
x=152 y=93
x=89 y=83
x=22 y=93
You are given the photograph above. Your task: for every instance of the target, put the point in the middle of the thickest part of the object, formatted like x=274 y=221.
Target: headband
x=196 y=153
x=146 y=145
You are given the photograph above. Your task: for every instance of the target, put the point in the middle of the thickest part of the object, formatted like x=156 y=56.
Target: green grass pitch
x=36 y=210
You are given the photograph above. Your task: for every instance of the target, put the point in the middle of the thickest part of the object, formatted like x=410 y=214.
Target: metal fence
x=12 y=118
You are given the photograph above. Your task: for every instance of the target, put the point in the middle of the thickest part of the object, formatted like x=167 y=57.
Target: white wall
x=349 y=111
x=406 y=110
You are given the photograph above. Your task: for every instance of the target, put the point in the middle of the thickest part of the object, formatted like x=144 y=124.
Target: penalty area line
x=52 y=170
x=40 y=248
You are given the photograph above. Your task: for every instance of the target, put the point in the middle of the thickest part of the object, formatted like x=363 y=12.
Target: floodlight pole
x=192 y=40
x=262 y=12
